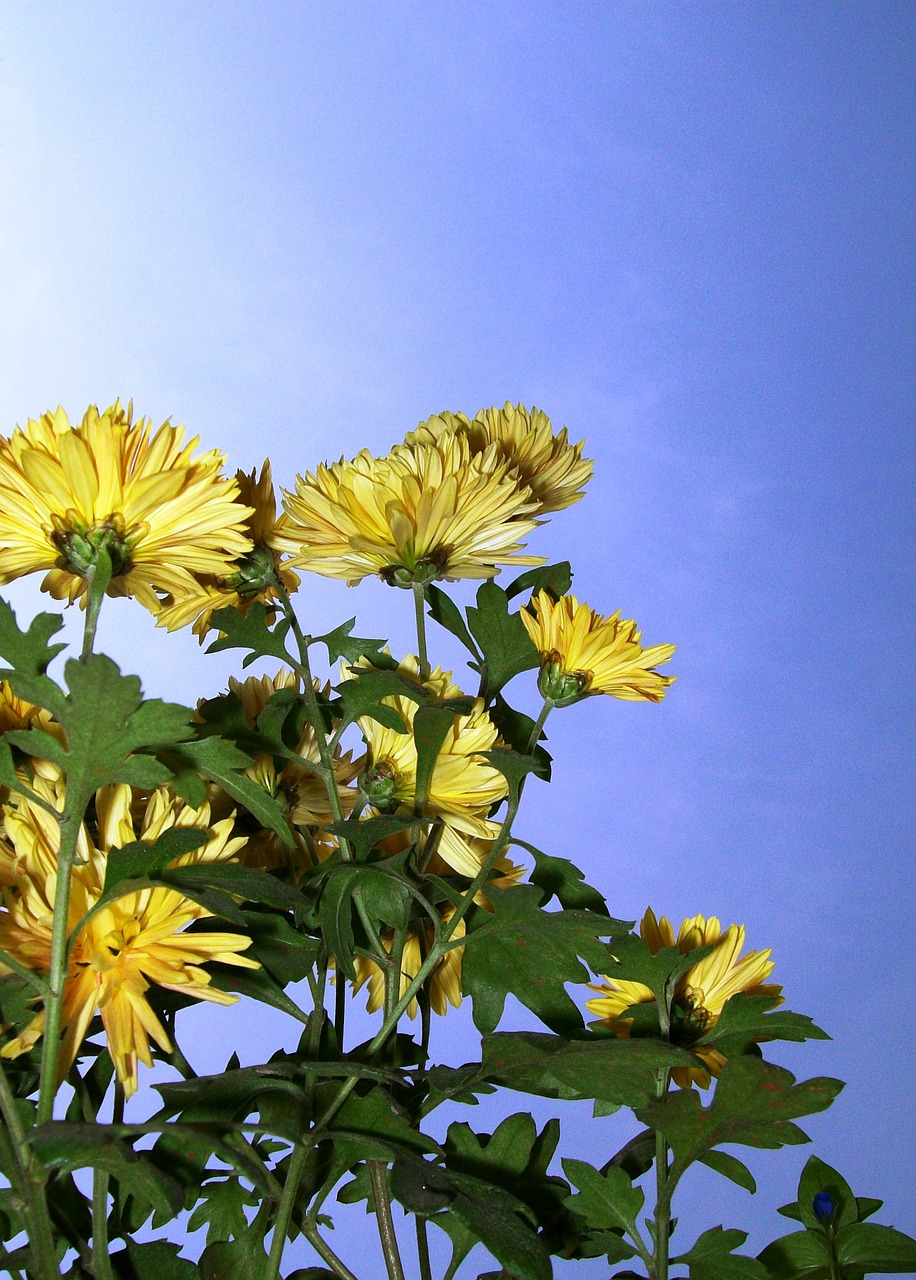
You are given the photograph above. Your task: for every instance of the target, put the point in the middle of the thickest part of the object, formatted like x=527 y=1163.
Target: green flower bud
x=560 y=687
x=378 y=783
x=254 y=572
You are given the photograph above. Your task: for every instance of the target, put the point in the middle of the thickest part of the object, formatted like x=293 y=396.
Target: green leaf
x=335 y=914
x=431 y=726
x=515 y=729
x=30 y=655
x=232 y=878
x=505 y=644
x=875 y=1248
x=531 y=954
x=555 y=579
x=223 y=763
x=560 y=879
x=631 y=960
x=799 y=1256
x=514 y=768
x=256 y=984
x=622 y=1072
x=363 y=836
x=285 y=953
x=362 y=696
x=818 y=1176
x=222 y=1209
x=142 y=858
x=745 y=1019
x=153 y=1260
x=754 y=1104
x=442 y=609
x=713 y=1258
x=341 y=644
x=251 y=630
x=241 y=1259
x=66 y=1146
x=609 y=1203
x=381 y=1127
x=384 y=895
x=730 y=1167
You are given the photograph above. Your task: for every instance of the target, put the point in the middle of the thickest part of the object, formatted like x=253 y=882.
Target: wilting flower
x=293 y=783
x=252 y=577
x=583 y=653
x=701 y=992
x=463 y=787
x=443 y=985
x=552 y=468
x=422 y=512
x=134 y=942
x=67 y=493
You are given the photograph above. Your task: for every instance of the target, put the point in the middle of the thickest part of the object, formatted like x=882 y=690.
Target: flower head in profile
x=422 y=512
x=130 y=944
x=552 y=468
x=583 y=653
x=109 y=484
x=251 y=577
x=701 y=992
x=463 y=787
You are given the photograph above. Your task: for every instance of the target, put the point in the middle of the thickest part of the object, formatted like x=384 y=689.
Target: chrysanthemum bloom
x=298 y=788
x=422 y=512
x=583 y=653
x=162 y=515
x=15 y=714
x=132 y=943
x=463 y=787
x=444 y=983
x=252 y=577
x=701 y=992
x=546 y=462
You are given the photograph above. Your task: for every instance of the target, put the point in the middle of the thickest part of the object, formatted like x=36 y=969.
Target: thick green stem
x=327 y=1254
x=833 y=1262
x=662 y=1220
x=97 y=578
x=426 y=1271
x=535 y=737
x=378 y=1176
x=285 y=1211
x=419 y=600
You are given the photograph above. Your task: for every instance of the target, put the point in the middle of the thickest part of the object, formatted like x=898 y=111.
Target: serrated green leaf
x=239 y=1259
x=222 y=762
x=514 y=768
x=335 y=915
x=562 y=880
x=713 y=1258
x=30 y=655
x=431 y=725
x=362 y=696
x=252 y=631
x=362 y=835
x=384 y=896
x=341 y=644
x=380 y=1125
x=515 y=729
x=153 y=1260
x=556 y=579
x=222 y=1209
x=442 y=609
x=631 y=960
x=285 y=953
x=530 y=953
x=505 y=644
x=142 y=858
x=746 y=1018
x=248 y=883
x=754 y=1105
x=607 y=1201
x=258 y=985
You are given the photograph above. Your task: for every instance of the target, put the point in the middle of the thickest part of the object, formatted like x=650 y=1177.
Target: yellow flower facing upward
x=128 y=945
x=701 y=992
x=552 y=468
x=583 y=653
x=463 y=787
x=422 y=512
x=252 y=577
x=161 y=514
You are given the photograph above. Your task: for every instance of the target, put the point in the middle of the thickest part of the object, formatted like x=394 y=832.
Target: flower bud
x=823 y=1207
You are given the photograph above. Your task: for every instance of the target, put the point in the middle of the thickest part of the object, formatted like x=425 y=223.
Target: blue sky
x=685 y=231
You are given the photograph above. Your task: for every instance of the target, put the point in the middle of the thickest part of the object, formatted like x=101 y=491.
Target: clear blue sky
x=685 y=231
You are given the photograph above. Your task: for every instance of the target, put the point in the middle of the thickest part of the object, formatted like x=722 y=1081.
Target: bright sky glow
x=685 y=231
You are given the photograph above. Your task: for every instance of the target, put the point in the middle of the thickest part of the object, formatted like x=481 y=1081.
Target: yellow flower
x=583 y=653
x=547 y=463
x=444 y=983
x=66 y=492
x=424 y=511
x=463 y=787
x=247 y=579
x=293 y=782
x=701 y=992
x=125 y=947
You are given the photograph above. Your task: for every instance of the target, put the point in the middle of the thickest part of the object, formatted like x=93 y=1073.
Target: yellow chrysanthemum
x=547 y=463
x=16 y=714
x=297 y=786
x=463 y=787
x=248 y=579
x=131 y=943
x=162 y=515
x=583 y=653
x=701 y=992
x=424 y=511
x=444 y=983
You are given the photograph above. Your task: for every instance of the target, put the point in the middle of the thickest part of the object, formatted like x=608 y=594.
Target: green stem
x=98 y=577
x=101 y=1259
x=27 y=1179
x=327 y=1254
x=426 y=1272
x=662 y=1222
x=419 y=599
x=833 y=1262
x=378 y=1176
x=285 y=1211
x=535 y=737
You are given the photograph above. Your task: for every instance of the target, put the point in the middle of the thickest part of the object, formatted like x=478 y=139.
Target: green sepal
x=251 y=630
